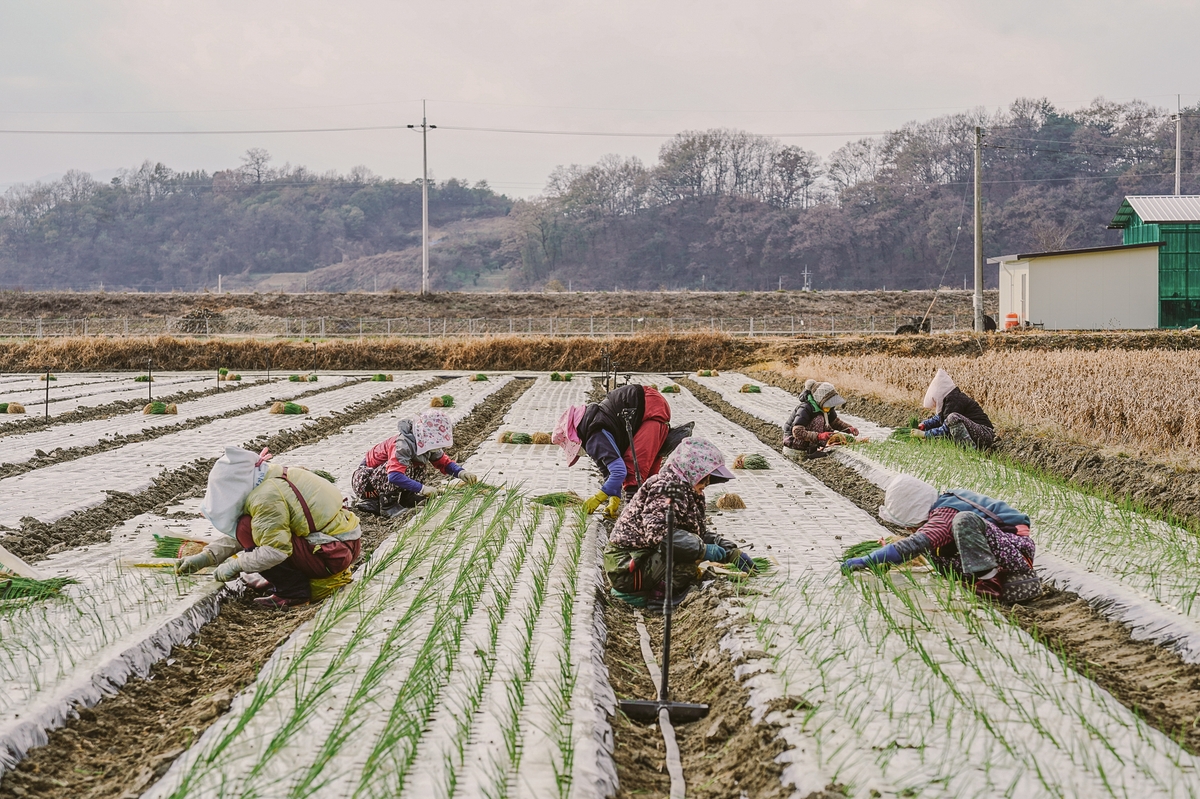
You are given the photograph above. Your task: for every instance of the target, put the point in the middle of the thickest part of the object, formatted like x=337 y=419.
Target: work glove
x=917 y=433
x=888 y=554
x=614 y=508
x=715 y=553
x=595 y=501
x=744 y=561
x=193 y=563
x=824 y=437
x=227 y=570
x=852 y=430
x=468 y=478
x=428 y=491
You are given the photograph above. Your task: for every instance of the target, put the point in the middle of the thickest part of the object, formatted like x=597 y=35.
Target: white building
x=1097 y=288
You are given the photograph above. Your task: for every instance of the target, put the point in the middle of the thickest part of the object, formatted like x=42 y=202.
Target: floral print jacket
x=644 y=522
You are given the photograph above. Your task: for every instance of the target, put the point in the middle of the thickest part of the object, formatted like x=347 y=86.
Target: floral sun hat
x=433 y=430
x=697 y=458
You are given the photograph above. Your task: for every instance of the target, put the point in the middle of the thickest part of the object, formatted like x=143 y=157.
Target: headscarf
x=937 y=391
x=907 y=501
x=432 y=430
x=697 y=458
x=233 y=477
x=566 y=435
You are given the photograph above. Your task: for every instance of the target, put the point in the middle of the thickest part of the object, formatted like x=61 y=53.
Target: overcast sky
x=623 y=66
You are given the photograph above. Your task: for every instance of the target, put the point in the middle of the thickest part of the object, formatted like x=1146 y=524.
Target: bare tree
x=254 y=164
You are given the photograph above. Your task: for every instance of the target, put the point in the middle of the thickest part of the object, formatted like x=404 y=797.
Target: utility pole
x=425 y=128
x=978 y=229
x=1178 y=144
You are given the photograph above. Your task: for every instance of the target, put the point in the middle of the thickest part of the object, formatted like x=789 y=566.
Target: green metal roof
x=1153 y=209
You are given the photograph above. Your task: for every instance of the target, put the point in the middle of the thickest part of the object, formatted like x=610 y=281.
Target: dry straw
x=289 y=407
x=157 y=407
x=730 y=502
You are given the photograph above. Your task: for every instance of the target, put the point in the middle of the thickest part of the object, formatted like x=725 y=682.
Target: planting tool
x=649 y=711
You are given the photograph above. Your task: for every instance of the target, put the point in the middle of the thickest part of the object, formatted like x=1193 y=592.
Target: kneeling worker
x=283 y=523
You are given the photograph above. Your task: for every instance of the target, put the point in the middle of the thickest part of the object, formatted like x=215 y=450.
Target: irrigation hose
x=674 y=762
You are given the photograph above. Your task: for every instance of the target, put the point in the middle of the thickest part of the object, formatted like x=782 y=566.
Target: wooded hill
x=719 y=210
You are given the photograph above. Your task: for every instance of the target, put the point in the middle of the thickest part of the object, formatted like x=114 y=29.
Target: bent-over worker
x=599 y=429
x=284 y=524
x=634 y=558
x=392 y=475
x=955 y=415
x=982 y=540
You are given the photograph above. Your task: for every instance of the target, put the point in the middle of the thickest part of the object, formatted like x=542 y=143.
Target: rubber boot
x=368 y=506
x=392 y=511
x=256 y=581
x=970 y=534
x=278 y=602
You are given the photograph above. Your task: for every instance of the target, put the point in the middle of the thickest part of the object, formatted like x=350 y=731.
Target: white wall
x=1085 y=291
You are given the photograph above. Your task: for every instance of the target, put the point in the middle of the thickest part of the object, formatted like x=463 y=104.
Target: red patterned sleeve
x=939 y=528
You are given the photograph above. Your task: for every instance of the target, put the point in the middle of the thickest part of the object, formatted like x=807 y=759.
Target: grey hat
x=825 y=395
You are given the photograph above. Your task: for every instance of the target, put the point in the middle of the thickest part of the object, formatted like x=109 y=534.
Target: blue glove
x=888 y=554
x=714 y=553
x=745 y=562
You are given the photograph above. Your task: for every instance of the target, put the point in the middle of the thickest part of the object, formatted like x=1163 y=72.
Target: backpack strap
x=996 y=520
x=312 y=527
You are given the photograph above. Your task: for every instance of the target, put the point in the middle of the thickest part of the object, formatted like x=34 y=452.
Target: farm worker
x=284 y=524
x=633 y=558
x=599 y=430
x=815 y=423
x=980 y=539
x=955 y=415
x=391 y=475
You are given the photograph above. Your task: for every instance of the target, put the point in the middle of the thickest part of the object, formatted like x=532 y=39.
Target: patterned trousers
x=969 y=434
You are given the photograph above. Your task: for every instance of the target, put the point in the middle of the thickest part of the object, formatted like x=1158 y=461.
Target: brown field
x=18 y=304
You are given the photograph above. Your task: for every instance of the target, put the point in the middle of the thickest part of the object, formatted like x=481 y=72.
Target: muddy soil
x=36 y=541
x=724 y=754
x=1159 y=490
x=1148 y=679
x=119 y=747
x=33 y=422
x=477 y=304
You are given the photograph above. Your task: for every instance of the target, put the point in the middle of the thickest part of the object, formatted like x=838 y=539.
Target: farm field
x=477 y=654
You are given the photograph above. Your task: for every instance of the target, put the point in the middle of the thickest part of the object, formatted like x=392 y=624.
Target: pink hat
x=566 y=435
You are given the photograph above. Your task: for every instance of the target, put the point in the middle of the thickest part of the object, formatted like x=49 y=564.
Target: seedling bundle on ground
x=471 y=656
x=11 y=407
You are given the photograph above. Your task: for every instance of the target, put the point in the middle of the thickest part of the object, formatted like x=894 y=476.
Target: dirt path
x=129 y=740
x=1150 y=680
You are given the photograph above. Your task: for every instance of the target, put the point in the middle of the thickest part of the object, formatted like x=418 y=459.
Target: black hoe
x=648 y=711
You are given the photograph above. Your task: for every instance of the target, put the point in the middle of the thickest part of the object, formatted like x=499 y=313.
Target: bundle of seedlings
x=728 y=501
x=751 y=461
x=566 y=377
x=289 y=407
x=670 y=389
x=169 y=546
x=478 y=378
x=444 y=401
x=541 y=438
x=302 y=378
x=510 y=437
x=11 y=407
x=159 y=407
x=324 y=475
x=381 y=378
x=559 y=499
x=14 y=587
x=229 y=376
x=864 y=548
x=46 y=377
x=708 y=373
x=750 y=388
x=144 y=379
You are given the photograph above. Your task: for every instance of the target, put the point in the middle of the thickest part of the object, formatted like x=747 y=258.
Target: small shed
x=1173 y=225
x=1096 y=288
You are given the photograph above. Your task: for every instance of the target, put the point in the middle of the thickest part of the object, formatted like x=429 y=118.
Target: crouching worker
x=976 y=538
x=634 y=558
x=392 y=475
x=286 y=531
x=815 y=423
x=600 y=430
x=955 y=415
